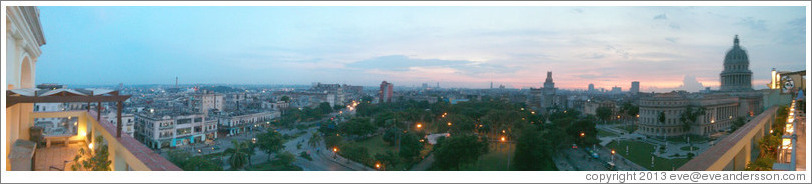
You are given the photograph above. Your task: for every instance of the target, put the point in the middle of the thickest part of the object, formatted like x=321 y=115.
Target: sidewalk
x=327 y=155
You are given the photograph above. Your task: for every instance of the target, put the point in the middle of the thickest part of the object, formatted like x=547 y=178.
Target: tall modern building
x=591 y=88
x=635 y=87
x=737 y=75
x=385 y=93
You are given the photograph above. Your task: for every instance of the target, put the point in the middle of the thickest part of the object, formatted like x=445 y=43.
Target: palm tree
x=315 y=140
x=689 y=116
x=237 y=155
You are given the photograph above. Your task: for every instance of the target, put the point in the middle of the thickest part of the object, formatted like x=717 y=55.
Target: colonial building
x=170 y=129
x=736 y=98
x=234 y=123
x=720 y=110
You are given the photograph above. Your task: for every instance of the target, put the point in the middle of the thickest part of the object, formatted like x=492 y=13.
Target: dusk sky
x=662 y=47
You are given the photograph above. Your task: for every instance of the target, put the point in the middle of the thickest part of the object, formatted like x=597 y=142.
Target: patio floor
x=55 y=157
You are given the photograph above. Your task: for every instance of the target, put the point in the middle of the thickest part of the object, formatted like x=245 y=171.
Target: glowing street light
x=582 y=134
x=503 y=139
x=449 y=123
x=419 y=125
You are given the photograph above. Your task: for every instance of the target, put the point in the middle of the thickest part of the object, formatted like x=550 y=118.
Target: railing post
x=98 y=111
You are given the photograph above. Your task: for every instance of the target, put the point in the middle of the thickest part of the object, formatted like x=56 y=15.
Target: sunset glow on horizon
x=665 y=48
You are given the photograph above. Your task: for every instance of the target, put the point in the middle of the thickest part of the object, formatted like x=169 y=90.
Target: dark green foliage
x=332 y=140
x=533 y=152
x=390 y=159
x=604 y=113
x=357 y=153
x=270 y=142
x=689 y=116
x=453 y=152
x=391 y=136
x=93 y=159
x=357 y=127
x=239 y=155
x=410 y=146
x=286 y=99
x=286 y=158
x=583 y=126
x=324 y=108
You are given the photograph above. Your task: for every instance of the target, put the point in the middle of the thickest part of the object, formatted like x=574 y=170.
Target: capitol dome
x=736 y=54
x=736 y=75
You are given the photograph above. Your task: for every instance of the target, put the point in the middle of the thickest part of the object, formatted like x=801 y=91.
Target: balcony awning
x=35 y=95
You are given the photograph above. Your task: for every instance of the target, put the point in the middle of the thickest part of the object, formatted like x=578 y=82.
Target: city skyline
x=467 y=47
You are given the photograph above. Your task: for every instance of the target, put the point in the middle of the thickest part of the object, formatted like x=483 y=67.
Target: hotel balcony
x=56 y=150
x=792 y=149
x=126 y=153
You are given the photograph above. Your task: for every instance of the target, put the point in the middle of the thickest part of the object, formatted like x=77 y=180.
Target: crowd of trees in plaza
x=472 y=126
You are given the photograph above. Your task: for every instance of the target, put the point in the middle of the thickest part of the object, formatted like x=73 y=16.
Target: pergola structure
x=35 y=95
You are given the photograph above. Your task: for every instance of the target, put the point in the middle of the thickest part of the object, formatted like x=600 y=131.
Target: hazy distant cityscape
x=477 y=96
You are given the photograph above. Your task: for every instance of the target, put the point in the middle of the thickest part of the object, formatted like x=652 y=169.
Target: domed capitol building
x=736 y=98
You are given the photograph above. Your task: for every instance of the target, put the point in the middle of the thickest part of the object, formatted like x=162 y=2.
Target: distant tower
x=591 y=88
x=176 y=82
x=385 y=93
x=548 y=92
x=491 y=84
x=635 y=87
x=736 y=75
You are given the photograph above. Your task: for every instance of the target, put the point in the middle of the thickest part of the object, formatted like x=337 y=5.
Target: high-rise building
x=385 y=93
x=635 y=88
x=736 y=75
x=548 y=100
x=591 y=88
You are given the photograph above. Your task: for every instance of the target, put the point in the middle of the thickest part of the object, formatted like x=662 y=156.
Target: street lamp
x=613 y=155
x=449 y=123
x=503 y=139
x=335 y=151
x=419 y=125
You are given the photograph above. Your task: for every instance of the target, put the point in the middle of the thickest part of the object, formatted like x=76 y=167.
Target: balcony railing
x=126 y=153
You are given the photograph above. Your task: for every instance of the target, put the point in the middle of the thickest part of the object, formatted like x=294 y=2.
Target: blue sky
x=662 y=47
